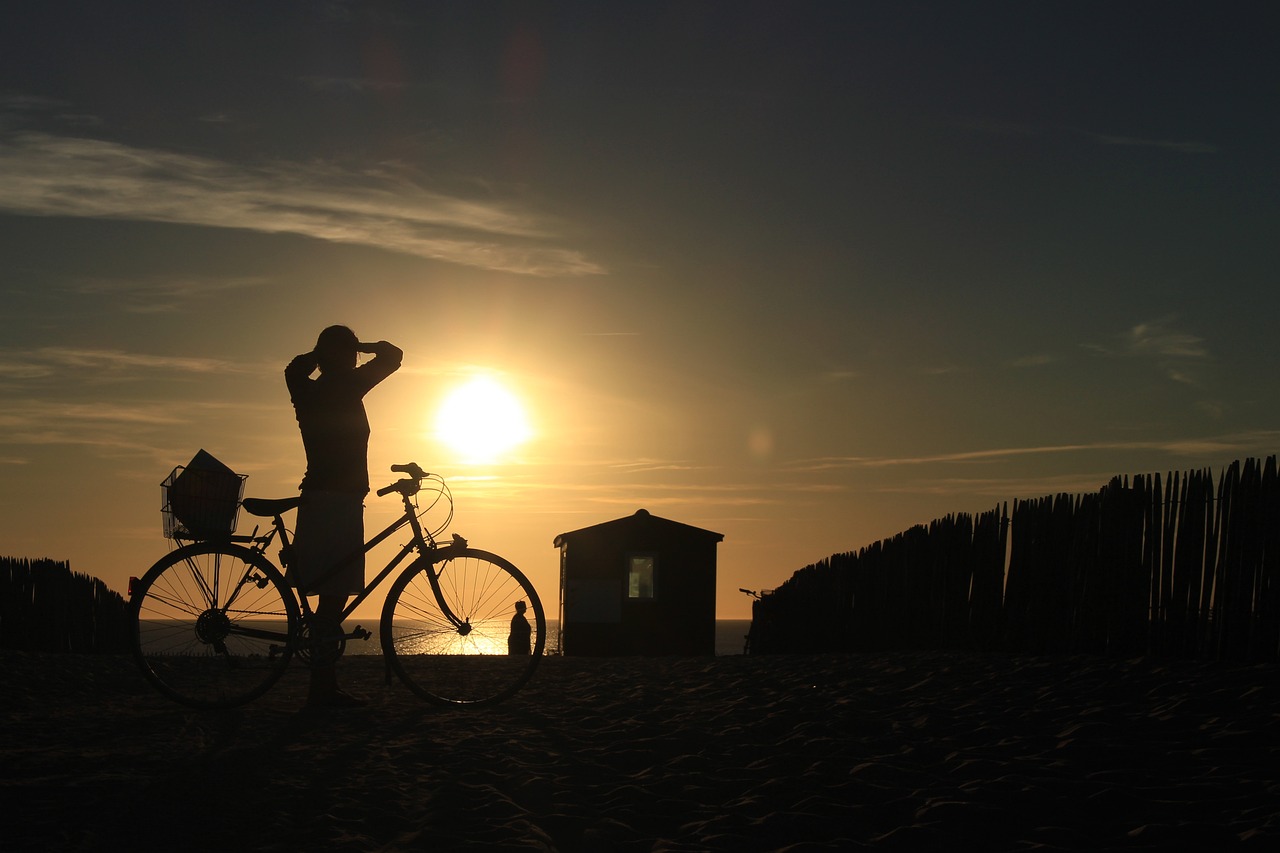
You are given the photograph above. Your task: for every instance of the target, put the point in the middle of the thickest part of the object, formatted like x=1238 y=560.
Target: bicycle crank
x=319 y=643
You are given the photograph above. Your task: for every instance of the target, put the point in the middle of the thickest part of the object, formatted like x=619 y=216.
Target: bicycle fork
x=463 y=625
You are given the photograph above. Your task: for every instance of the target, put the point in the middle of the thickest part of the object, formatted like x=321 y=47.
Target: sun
x=481 y=420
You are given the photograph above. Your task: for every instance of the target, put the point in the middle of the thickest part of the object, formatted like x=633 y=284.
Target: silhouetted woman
x=335 y=436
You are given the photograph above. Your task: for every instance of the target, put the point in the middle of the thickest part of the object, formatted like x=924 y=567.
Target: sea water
x=731 y=637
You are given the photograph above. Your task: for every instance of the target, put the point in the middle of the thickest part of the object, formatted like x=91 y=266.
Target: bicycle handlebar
x=413 y=469
x=408 y=486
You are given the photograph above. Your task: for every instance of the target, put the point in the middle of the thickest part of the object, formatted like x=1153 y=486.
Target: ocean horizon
x=731 y=637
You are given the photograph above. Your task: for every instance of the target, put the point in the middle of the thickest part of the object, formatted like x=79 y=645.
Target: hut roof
x=640 y=519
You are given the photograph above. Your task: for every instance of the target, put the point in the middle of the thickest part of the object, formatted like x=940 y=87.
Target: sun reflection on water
x=488 y=637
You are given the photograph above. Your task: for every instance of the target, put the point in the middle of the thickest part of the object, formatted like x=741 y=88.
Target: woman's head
x=336 y=349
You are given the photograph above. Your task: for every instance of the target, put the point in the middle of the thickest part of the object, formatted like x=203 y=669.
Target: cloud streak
x=162 y=295
x=1176 y=352
x=1175 y=145
x=1158 y=338
x=47 y=175
x=41 y=414
x=1226 y=444
x=47 y=361
x=113 y=428
x=997 y=127
x=1180 y=355
x=32 y=430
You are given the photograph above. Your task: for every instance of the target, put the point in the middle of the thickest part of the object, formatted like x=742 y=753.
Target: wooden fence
x=1143 y=566
x=45 y=607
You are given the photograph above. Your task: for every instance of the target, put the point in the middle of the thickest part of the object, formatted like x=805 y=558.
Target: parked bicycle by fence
x=215 y=623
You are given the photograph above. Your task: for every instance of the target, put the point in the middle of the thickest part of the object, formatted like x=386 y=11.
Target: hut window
x=640 y=578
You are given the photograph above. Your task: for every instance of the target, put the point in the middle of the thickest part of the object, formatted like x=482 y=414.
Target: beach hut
x=639 y=585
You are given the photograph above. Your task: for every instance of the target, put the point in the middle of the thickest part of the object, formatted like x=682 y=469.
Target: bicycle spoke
x=210 y=596
x=448 y=639
x=205 y=651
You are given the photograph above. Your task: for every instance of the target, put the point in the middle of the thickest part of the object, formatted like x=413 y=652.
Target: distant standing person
x=518 y=641
x=335 y=436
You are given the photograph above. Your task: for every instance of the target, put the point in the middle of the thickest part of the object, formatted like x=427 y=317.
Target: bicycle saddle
x=267 y=507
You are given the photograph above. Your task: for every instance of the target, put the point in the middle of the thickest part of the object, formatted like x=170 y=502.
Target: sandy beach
x=905 y=751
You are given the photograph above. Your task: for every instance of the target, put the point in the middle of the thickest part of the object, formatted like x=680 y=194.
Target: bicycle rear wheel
x=211 y=625
x=466 y=645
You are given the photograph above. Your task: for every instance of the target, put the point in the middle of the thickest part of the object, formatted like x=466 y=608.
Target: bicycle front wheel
x=211 y=625
x=464 y=628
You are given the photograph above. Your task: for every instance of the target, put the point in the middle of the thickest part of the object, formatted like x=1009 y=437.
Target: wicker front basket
x=201 y=501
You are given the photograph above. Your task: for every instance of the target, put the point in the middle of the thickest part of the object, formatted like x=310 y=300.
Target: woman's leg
x=328 y=617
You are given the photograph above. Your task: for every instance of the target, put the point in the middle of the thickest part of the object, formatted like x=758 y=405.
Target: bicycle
x=215 y=622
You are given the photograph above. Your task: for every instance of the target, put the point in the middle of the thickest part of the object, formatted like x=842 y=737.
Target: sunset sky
x=802 y=273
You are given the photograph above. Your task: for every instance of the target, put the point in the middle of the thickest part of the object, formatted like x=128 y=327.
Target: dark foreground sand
x=911 y=751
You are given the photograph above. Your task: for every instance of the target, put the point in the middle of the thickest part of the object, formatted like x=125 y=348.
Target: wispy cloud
x=1037 y=360
x=677 y=494
x=1213 y=409
x=1177 y=145
x=1160 y=338
x=108 y=428
x=351 y=85
x=20 y=368
x=645 y=465
x=119 y=359
x=1177 y=353
x=159 y=431
x=161 y=295
x=46 y=175
x=65 y=364
x=942 y=370
x=1247 y=442
x=996 y=127
x=1001 y=488
x=17 y=108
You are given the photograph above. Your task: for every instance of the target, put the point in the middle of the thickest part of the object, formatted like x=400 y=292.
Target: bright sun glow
x=481 y=420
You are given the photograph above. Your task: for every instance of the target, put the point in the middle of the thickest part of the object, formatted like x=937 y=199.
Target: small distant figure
x=518 y=641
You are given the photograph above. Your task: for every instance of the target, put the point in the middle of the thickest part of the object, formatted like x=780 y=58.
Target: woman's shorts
x=330 y=528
